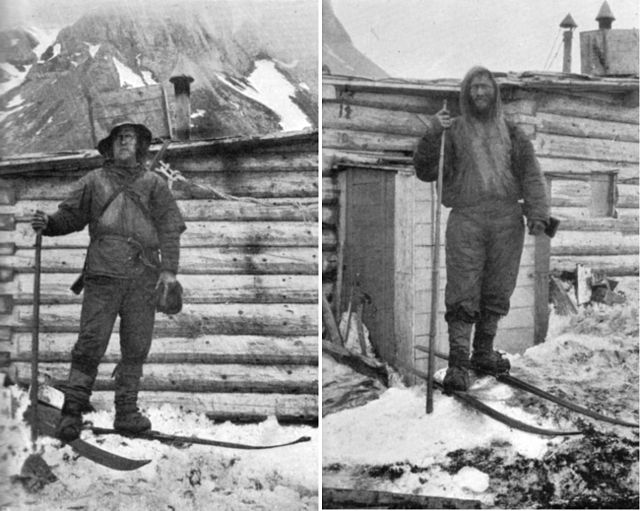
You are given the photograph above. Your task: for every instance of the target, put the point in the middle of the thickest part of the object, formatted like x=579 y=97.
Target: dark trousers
x=483 y=250
x=106 y=298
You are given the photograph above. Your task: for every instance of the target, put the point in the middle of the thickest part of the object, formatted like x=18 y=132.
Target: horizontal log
x=585 y=149
x=610 y=265
x=54 y=288
x=421 y=104
x=587 y=108
x=583 y=127
x=194 y=320
x=368 y=141
x=301 y=209
x=195 y=377
x=241 y=407
x=363 y=118
x=551 y=164
x=239 y=162
x=624 y=224
x=200 y=186
x=594 y=243
x=566 y=193
x=582 y=213
x=206 y=349
x=200 y=234
x=212 y=261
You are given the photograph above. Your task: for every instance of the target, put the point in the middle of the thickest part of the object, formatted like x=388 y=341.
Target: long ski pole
x=435 y=273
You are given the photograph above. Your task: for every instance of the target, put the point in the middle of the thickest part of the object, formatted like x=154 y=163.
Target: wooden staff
x=435 y=274
x=35 y=332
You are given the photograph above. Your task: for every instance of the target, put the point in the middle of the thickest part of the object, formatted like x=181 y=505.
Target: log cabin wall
x=370 y=129
x=245 y=344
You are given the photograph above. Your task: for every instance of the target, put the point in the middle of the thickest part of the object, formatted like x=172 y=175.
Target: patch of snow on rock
x=93 y=49
x=128 y=77
x=16 y=76
x=267 y=85
x=147 y=77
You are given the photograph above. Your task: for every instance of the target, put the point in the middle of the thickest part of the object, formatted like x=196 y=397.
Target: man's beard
x=484 y=114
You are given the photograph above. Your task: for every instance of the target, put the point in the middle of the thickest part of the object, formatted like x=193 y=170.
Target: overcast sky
x=444 y=38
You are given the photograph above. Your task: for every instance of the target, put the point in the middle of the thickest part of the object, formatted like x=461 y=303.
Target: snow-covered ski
x=528 y=387
x=177 y=439
x=481 y=407
x=48 y=418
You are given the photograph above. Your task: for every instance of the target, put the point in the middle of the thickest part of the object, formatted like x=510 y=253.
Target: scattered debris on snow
x=391 y=444
x=190 y=477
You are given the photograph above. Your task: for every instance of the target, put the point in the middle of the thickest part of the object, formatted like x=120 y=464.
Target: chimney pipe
x=567 y=37
x=181 y=81
x=605 y=17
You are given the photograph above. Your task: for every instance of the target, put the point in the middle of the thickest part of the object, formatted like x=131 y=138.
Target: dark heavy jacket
x=139 y=222
x=459 y=174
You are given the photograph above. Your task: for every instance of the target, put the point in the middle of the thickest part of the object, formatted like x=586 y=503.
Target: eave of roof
x=529 y=80
x=90 y=158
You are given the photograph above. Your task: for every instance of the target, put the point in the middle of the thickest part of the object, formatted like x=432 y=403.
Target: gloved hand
x=166 y=279
x=39 y=220
x=536 y=227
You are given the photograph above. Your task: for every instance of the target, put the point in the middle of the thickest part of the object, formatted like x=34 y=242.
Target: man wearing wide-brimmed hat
x=135 y=227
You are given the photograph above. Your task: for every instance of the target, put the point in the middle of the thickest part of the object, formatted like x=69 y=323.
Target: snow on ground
x=267 y=85
x=391 y=444
x=128 y=77
x=189 y=478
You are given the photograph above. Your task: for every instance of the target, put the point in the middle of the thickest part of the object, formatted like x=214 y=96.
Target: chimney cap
x=180 y=71
x=605 y=13
x=568 y=22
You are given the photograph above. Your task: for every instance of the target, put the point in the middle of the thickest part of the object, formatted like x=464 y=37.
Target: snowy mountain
x=254 y=65
x=339 y=55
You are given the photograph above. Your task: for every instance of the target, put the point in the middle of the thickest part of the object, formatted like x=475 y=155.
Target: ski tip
x=304 y=439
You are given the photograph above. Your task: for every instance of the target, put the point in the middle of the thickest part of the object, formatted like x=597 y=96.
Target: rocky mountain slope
x=46 y=97
x=339 y=55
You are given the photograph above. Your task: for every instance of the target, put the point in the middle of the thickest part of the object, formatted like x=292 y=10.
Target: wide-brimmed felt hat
x=144 y=135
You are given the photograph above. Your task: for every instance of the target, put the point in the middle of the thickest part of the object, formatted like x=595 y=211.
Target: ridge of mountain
x=49 y=109
x=339 y=55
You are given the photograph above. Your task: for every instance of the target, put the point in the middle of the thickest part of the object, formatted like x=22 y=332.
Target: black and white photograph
x=480 y=232
x=159 y=257
x=295 y=255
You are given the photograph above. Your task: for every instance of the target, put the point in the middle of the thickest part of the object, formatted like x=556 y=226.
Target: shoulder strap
x=117 y=192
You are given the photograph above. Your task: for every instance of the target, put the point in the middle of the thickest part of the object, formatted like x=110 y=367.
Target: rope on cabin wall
x=175 y=176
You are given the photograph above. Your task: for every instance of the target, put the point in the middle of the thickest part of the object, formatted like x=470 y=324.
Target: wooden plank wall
x=572 y=133
x=245 y=344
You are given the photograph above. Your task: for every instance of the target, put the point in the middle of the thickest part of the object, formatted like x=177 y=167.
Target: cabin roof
x=527 y=80
x=90 y=158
